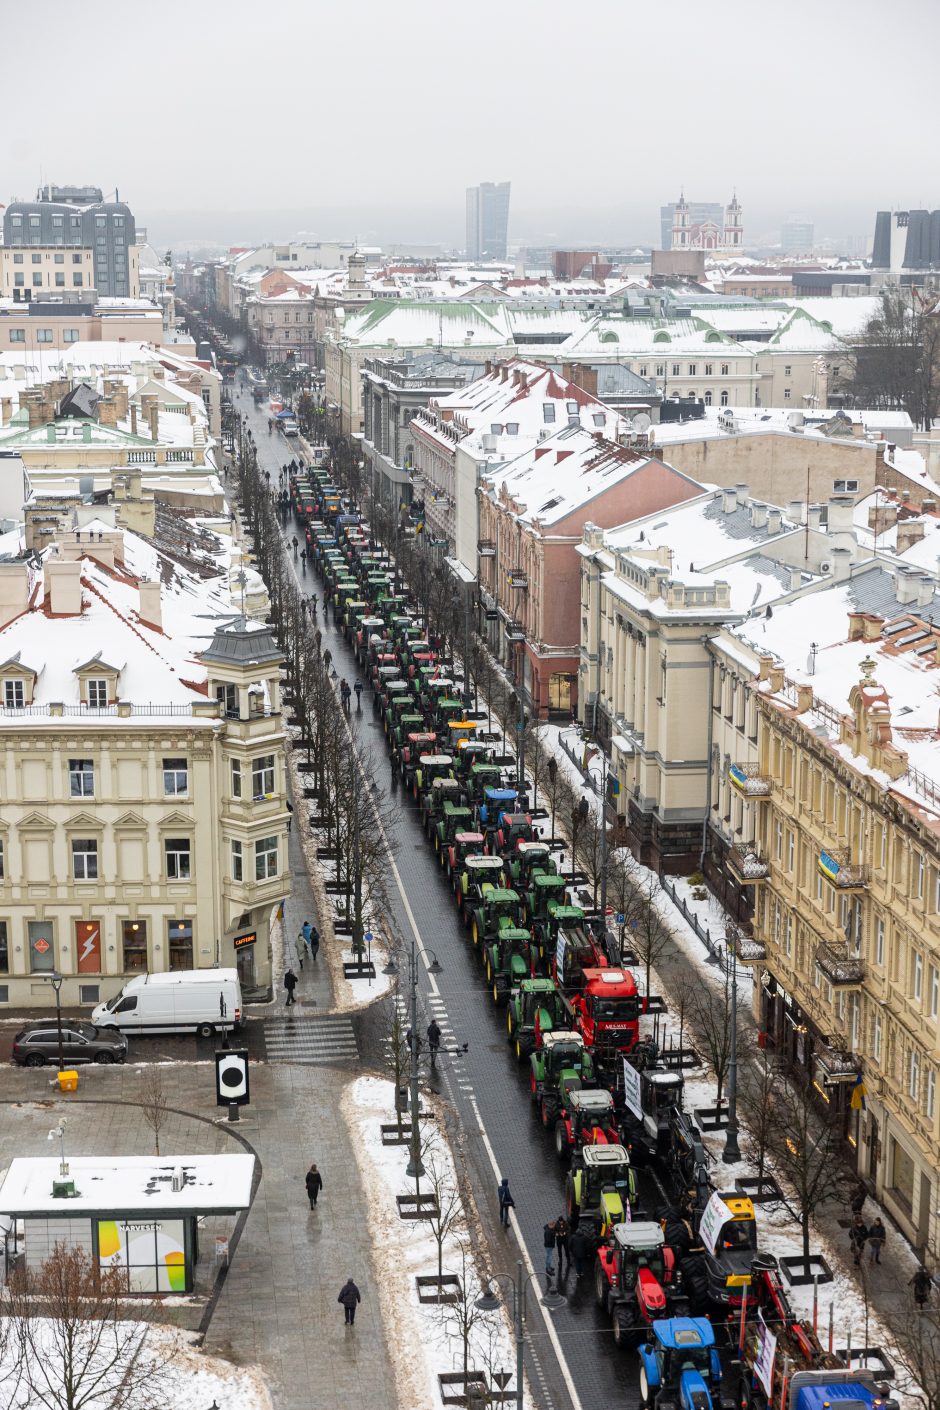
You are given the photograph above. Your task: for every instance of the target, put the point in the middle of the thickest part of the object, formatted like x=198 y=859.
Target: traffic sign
x=620 y=917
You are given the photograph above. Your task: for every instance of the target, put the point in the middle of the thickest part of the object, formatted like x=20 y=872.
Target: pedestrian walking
x=314 y=942
x=548 y=1239
x=357 y=687
x=859 y=1198
x=314 y=1182
x=506 y=1202
x=876 y=1238
x=300 y=947
x=561 y=1245
x=858 y=1237
x=290 y=809
x=921 y=1283
x=290 y=984
x=306 y=931
x=581 y=1250
x=349 y=1296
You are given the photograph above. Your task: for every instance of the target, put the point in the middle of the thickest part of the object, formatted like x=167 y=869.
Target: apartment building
x=69 y=220
x=144 y=822
x=847 y=922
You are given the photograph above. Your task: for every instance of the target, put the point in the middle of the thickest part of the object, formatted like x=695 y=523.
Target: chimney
x=764 y=666
x=107 y=412
x=119 y=394
x=149 y=609
x=729 y=500
x=795 y=511
x=742 y=493
x=774 y=520
x=503 y=372
x=487 y=367
x=776 y=678
x=584 y=377
x=63 y=588
x=6 y=410
x=841 y=563
x=153 y=417
x=796 y=579
x=804 y=699
x=928 y=505
x=882 y=517
x=814 y=515
x=872 y=626
x=909 y=532
x=134 y=420
x=840 y=514
x=856 y=625
x=14 y=591
x=925 y=589
x=523 y=381
x=758 y=514
x=905 y=586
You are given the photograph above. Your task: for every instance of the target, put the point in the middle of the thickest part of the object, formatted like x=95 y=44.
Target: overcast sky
x=233 y=121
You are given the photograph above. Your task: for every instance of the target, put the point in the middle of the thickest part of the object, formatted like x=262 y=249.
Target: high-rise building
x=487 y=220
x=797 y=236
x=76 y=218
x=906 y=240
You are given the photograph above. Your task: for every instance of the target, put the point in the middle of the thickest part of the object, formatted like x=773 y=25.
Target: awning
x=623 y=744
x=460 y=571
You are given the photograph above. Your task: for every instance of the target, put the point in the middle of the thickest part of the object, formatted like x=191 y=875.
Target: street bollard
x=233 y=1112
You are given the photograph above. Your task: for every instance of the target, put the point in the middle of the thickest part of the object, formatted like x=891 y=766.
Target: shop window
x=134 y=946
x=180 y=933
x=41 y=937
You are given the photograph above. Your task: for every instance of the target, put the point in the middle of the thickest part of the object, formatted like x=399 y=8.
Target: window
x=708 y=398
x=876 y=1038
x=227 y=695
x=934 y=981
x=786 y=393
x=845 y=486
x=44 y=335
x=709 y=369
x=97 y=694
x=36 y=259
x=18 y=280
x=238 y=871
x=58 y=259
x=918 y=869
x=178 y=858
x=134 y=945
x=787 y=370
x=37 y=281
x=17 y=259
x=236 y=778
x=84 y=859
x=4 y=949
x=724 y=369
x=262 y=776
x=2 y=864
x=660 y=369
x=180 y=934
x=676 y=369
x=913 y=1076
x=723 y=399
x=692 y=369
x=791 y=849
x=17 y=335
x=930 y=1094
x=76 y=281
x=70 y=335
x=101 y=221
x=13 y=695
x=175 y=777
x=778 y=839
x=265 y=858
x=59 y=280
x=917 y=980
x=76 y=259
x=41 y=946
x=81 y=778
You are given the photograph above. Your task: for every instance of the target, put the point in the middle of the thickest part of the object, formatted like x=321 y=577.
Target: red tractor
x=636 y=1281
x=587 y=1119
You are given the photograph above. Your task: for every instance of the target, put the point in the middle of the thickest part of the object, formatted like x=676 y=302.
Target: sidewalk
x=314 y=989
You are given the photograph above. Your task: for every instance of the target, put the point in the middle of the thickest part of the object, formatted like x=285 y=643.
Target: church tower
x=680 y=224
x=734 y=225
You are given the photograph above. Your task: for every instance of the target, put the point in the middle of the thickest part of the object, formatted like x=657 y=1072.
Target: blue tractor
x=680 y=1368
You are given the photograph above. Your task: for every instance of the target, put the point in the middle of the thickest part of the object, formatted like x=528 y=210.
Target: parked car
x=81 y=1042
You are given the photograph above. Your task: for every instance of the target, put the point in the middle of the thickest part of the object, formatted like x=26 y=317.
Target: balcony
x=518 y=579
x=486 y=548
x=842 y=969
x=747 y=867
x=515 y=631
x=748 y=780
x=845 y=875
x=750 y=951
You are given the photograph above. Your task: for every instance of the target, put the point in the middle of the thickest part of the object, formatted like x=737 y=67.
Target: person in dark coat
x=506 y=1202
x=349 y=1296
x=314 y=1182
x=314 y=942
x=858 y=1236
x=548 y=1239
x=561 y=1245
x=290 y=984
x=876 y=1238
x=921 y=1283
x=580 y=1246
x=859 y=1198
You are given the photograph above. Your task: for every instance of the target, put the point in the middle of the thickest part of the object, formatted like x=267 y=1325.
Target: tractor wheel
x=496 y=993
x=623 y=1334
x=487 y=969
x=509 y=1022
x=644 y=1388
x=561 y=1140
x=475 y=930
x=545 y=1113
x=533 y=1087
x=600 y=1284
x=518 y=1050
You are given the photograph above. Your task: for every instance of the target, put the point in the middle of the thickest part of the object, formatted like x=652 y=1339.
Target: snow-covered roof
x=398 y=323
x=135 y=1184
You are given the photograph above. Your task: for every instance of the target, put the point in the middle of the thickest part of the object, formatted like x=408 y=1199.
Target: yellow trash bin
x=68 y=1081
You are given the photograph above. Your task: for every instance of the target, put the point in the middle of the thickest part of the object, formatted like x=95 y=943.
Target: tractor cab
x=483 y=776
x=588 y=1120
x=680 y=1365
x=434 y=797
x=496 y=904
x=461 y=731
x=470 y=752
x=633 y=1278
x=453 y=819
x=729 y=1262
x=446 y=709
x=431 y=767
x=464 y=845
x=560 y=1066
x=508 y=959
x=478 y=871
x=420 y=662
x=400 y=704
x=577 y=949
x=529 y=857
x=661 y=1101
x=512 y=829
x=535 y=1010
x=545 y=889
x=495 y=800
x=601 y=1189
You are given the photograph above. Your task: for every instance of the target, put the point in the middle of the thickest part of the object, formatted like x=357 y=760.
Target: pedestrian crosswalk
x=310 y=1039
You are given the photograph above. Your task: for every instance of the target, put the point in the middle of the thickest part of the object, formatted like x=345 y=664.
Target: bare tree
x=711 y=1018
x=916 y=1351
x=81 y=1341
x=154 y=1106
x=805 y=1150
x=461 y=1318
x=448 y=1212
x=649 y=934
x=895 y=361
x=759 y=1080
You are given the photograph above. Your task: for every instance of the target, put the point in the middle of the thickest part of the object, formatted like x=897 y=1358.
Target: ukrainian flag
x=859 y=1093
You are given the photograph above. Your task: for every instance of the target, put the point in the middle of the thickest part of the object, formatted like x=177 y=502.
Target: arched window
x=724 y=398
x=708 y=398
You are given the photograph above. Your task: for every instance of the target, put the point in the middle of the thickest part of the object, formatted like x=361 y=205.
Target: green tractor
x=463 y=845
x=507 y=960
x=433 y=800
x=528 y=859
x=561 y=1065
x=496 y=905
x=478 y=871
x=545 y=889
x=600 y=1190
x=558 y=917
x=481 y=777
x=454 y=819
x=534 y=1009
x=431 y=766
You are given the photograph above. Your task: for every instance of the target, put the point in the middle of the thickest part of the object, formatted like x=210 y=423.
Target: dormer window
x=14 y=694
x=97 y=693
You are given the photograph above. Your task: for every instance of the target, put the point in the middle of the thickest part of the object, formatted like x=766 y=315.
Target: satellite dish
x=641 y=422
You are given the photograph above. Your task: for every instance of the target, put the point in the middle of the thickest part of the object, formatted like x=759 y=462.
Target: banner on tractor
x=631 y=1090
x=764 y=1360
x=715 y=1216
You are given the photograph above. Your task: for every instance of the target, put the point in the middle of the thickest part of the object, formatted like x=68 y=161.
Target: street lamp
x=415 y=1167
x=731 y=1152
x=489 y=1302
x=55 y=979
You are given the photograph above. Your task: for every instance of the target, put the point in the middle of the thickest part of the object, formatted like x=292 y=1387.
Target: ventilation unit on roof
x=825 y=567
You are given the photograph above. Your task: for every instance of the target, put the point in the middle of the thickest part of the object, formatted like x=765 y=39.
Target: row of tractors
x=686 y=1282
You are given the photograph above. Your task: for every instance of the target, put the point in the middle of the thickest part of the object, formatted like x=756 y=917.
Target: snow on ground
x=363 y=991
x=411 y=1251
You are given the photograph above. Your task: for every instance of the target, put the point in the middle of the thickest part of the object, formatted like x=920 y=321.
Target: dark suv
x=81 y=1042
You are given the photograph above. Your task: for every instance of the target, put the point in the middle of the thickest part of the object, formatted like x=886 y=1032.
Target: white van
x=206 y=1001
